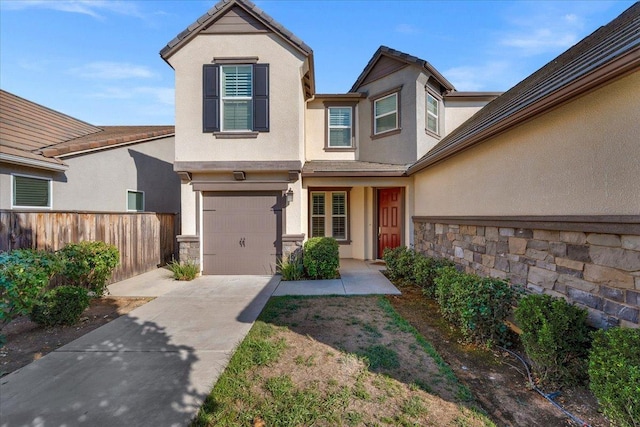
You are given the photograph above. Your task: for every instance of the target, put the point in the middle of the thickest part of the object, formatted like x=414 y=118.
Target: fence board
x=144 y=240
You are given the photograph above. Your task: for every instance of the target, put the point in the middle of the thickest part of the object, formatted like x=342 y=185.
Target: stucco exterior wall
x=399 y=148
x=457 y=112
x=315 y=134
x=286 y=104
x=99 y=180
x=6 y=190
x=582 y=158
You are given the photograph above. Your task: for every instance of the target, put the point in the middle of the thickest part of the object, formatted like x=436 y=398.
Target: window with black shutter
x=235 y=98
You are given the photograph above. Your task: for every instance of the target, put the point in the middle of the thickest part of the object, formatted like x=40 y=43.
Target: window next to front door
x=329 y=214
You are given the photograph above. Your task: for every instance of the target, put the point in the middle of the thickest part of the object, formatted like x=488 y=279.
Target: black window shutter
x=211 y=98
x=261 y=97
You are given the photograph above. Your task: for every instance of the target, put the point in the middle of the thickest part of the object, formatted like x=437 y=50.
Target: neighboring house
x=266 y=162
x=538 y=185
x=50 y=161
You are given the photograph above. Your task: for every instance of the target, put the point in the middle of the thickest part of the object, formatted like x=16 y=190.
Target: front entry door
x=389 y=219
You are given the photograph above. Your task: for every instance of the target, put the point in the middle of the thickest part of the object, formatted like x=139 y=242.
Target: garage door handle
x=242 y=243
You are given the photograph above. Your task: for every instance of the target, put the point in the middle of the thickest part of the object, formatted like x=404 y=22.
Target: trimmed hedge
x=400 y=262
x=478 y=306
x=426 y=269
x=61 y=306
x=321 y=257
x=556 y=338
x=614 y=374
x=89 y=265
x=24 y=277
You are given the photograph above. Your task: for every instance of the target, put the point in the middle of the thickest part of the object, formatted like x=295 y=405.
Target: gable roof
x=34 y=135
x=608 y=53
x=219 y=10
x=386 y=52
x=256 y=19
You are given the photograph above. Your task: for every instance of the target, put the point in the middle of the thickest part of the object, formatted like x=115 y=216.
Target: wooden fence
x=144 y=240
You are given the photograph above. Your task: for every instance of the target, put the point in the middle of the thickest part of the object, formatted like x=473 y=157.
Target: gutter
x=40 y=164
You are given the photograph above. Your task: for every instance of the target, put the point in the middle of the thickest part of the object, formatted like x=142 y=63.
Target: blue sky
x=99 y=61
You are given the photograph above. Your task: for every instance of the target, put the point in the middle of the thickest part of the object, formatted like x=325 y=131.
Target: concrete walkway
x=156 y=365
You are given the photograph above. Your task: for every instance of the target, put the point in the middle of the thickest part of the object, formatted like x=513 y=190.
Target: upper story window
x=385 y=114
x=340 y=123
x=433 y=114
x=235 y=99
x=31 y=192
x=236 y=86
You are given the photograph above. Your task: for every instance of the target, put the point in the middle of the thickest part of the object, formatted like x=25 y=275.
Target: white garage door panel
x=240 y=234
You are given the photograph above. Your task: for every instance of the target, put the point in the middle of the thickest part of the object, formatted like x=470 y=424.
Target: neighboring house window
x=235 y=98
x=31 y=192
x=340 y=127
x=433 y=114
x=135 y=201
x=385 y=111
x=329 y=214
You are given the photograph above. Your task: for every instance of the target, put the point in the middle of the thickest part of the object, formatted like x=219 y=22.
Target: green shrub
x=89 y=265
x=478 y=306
x=291 y=268
x=614 y=374
x=556 y=338
x=425 y=270
x=185 y=271
x=24 y=276
x=321 y=258
x=61 y=306
x=400 y=262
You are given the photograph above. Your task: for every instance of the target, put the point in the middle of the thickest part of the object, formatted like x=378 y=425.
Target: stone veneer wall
x=600 y=271
x=189 y=249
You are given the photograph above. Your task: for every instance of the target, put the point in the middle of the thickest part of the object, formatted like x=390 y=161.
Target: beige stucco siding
x=457 y=112
x=286 y=104
x=315 y=137
x=582 y=158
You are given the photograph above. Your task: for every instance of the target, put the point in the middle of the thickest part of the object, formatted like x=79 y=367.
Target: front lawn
x=337 y=361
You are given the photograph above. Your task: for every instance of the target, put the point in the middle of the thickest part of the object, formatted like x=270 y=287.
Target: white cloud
x=93 y=8
x=481 y=77
x=160 y=95
x=407 y=29
x=544 y=29
x=113 y=71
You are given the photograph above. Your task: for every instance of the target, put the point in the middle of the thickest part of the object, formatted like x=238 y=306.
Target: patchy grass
x=336 y=361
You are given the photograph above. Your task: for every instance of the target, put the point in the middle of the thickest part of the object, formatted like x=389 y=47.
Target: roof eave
x=616 y=69
x=34 y=163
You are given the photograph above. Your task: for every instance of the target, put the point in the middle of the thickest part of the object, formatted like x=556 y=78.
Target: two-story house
x=266 y=161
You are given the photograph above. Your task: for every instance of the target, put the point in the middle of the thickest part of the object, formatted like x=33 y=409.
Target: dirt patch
x=345 y=361
x=27 y=341
x=496 y=379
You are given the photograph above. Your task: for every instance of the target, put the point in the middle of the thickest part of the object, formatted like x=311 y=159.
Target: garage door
x=241 y=233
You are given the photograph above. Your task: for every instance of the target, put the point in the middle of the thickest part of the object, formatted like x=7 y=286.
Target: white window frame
x=429 y=113
x=224 y=98
x=328 y=213
x=376 y=117
x=350 y=127
x=13 y=195
x=144 y=200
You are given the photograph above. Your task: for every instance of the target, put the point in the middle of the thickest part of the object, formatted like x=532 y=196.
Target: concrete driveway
x=152 y=367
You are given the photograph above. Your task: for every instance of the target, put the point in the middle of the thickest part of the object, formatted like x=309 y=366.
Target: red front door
x=389 y=218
